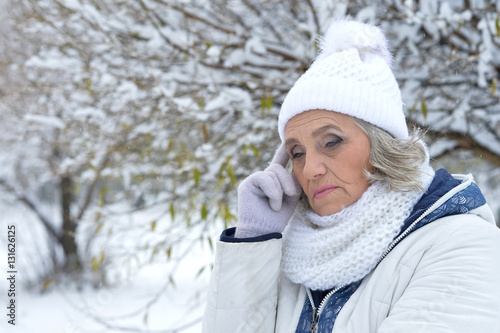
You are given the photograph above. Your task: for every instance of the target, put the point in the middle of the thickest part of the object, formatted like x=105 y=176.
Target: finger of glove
x=281 y=156
x=269 y=184
x=288 y=183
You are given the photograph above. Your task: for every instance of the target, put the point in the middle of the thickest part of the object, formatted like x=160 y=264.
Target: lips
x=323 y=191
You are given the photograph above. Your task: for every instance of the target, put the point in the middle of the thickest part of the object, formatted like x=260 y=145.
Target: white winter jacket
x=443 y=277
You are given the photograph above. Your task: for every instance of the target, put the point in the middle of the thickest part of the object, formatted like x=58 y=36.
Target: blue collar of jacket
x=445 y=196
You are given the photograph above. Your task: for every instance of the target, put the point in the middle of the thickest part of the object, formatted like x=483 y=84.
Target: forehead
x=314 y=119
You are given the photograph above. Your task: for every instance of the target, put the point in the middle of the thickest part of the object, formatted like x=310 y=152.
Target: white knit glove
x=267 y=199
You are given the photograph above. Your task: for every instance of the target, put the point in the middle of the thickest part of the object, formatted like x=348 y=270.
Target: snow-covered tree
x=113 y=106
x=171 y=103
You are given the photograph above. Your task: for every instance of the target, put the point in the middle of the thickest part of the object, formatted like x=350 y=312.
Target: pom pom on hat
x=351 y=75
x=344 y=35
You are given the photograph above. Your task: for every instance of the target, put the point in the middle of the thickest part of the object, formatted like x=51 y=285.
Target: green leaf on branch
x=172 y=282
x=169 y=146
x=266 y=103
x=76 y=188
x=102 y=193
x=497 y=26
x=200 y=271
x=46 y=284
x=226 y=215
x=99 y=226
x=255 y=151
x=172 y=211
x=222 y=167
x=493 y=87
x=169 y=252
x=210 y=243
x=317 y=42
x=230 y=173
x=153 y=226
x=156 y=249
x=196 y=176
x=423 y=106
x=96 y=262
x=204 y=211
x=205 y=132
x=88 y=86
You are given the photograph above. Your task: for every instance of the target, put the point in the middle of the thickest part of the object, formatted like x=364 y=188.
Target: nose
x=314 y=167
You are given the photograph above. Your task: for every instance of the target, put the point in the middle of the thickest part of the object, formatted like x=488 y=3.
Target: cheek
x=360 y=161
x=362 y=164
x=297 y=172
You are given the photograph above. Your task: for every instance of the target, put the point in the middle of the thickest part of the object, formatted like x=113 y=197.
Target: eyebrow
x=291 y=141
x=320 y=130
x=315 y=133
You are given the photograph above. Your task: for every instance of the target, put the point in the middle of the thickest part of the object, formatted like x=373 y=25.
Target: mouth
x=323 y=191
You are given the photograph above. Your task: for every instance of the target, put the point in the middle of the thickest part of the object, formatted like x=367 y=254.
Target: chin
x=325 y=211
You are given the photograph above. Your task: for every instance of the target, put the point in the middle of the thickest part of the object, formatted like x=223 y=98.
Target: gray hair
x=396 y=161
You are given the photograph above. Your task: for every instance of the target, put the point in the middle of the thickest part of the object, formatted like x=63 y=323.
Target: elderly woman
x=374 y=240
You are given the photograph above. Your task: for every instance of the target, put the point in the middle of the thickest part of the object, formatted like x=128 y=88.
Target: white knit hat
x=351 y=75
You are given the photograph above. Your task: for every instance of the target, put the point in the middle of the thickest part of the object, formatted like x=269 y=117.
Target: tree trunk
x=72 y=261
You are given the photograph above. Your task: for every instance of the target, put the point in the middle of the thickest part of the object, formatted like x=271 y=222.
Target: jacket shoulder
x=442 y=277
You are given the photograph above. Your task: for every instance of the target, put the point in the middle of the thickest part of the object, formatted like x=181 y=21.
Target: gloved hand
x=267 y=199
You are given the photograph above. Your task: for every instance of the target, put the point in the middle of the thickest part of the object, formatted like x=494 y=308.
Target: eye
x=332 y=142
x=295 y=153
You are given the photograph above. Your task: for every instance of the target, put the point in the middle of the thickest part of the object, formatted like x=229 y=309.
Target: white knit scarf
x=323 y=252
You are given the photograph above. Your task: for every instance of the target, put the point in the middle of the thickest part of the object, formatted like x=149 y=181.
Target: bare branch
x=199 y=19
x=91 y=188
x=315 y=17
x=31 y=205
x=463 y=140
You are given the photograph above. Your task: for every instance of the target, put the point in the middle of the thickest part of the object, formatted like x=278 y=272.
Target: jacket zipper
x=318 y=310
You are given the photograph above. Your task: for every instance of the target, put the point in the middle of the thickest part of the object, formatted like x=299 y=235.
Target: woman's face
x=329 y=153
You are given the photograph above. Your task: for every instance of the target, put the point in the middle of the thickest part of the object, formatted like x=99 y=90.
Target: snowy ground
x=116 y=309
x=92 y=310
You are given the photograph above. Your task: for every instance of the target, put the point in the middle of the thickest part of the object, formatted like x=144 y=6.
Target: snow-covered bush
x=162 y=103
